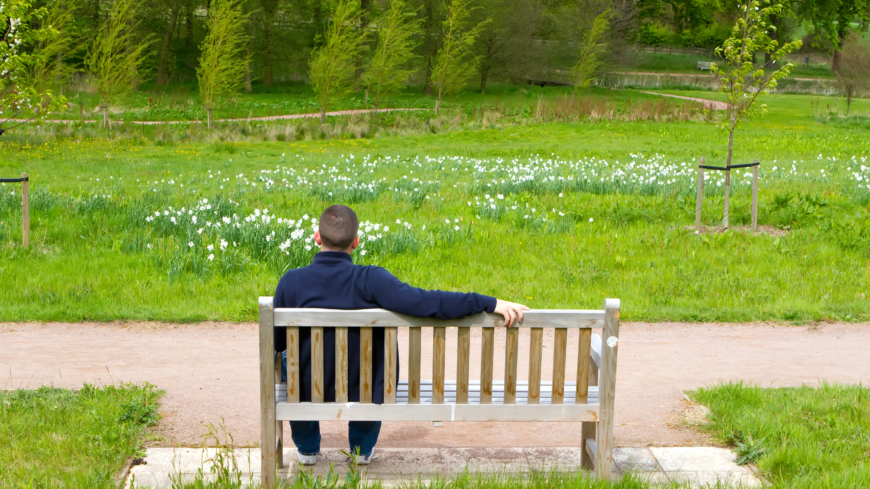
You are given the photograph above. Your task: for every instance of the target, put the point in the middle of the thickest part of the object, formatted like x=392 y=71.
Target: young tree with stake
x=455 y=62
x=854 y=75
x=333 y=65
x=116 y=55
x=19 y=57
x=591 y=48
x=224 y=59
x=741 y=81
x=388 y=70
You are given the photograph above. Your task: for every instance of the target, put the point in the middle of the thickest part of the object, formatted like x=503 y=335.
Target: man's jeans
x=362 y=435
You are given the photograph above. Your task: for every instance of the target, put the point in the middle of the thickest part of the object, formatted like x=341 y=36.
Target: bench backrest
x=535 y=320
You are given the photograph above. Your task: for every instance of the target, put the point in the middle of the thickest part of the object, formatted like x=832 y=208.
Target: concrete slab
x=701 y=467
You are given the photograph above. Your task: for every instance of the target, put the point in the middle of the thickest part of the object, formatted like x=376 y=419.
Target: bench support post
x=268 y=424
x=607 y=389
x=589 y=428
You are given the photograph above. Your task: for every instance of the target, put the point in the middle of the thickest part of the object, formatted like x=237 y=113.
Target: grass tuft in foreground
x=800 y=437
x=63 y=438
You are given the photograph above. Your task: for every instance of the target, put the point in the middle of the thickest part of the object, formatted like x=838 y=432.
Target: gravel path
x=709 y=104
x=239 y=119
x=209 y=373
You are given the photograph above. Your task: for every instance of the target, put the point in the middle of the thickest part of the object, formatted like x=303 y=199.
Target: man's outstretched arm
x=394 y=295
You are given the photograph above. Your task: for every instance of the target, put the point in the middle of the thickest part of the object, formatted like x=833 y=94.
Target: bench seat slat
x=435 y=412
x=474 y=394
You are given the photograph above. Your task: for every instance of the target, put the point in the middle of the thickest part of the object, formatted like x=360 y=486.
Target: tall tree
x=174 y=9
x=117 y=54
x=455 y=63
x=223 y=61
x=507 y=44
x=19 y=93
x=333 y=64
x=433 y=12
x=833 y=19
x=388 y=70
x=48 y=68
x=740 y=80
x=269 y=9
x=854 y=75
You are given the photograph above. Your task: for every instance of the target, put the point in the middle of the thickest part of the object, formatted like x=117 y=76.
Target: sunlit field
x=552 y=215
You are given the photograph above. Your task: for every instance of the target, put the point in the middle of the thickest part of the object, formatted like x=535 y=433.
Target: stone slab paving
x=698 y=466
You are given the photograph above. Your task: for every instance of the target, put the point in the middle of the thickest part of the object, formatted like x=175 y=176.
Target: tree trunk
x=249 y=86
x=437 y=105
x=188 y=21
x=429 y=45
x=58 y=71
x=106 y=122
x=483 y=75
x=270 y=7
x=835 y=61
x=848 y=102
x=322 y=114
x=727 y=204
x=208 y=118
x=365 y=18
x=164 y=48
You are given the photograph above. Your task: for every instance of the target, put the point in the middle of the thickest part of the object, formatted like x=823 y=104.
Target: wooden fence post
x=700 y=200
x=25 y=210
x=755 y=197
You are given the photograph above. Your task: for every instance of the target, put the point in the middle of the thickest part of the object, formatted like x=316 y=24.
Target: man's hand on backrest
x=511 y=311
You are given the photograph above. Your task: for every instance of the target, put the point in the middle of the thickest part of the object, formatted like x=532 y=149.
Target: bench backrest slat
x=379 y=318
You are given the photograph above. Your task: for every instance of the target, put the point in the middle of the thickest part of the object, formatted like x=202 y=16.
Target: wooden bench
x=589 y=400
x=705 y=65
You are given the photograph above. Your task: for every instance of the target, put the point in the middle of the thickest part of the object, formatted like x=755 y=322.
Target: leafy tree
x=223 y=63
x=117 y=54
x=833 y=20
x=388 y=70
x=20 y=93
x=590 y=50
x=333 y=64
x=48 y=69
x=741 y=81
x=854 y=75
x=506 y=45
x=455 y=62
x=174 y=7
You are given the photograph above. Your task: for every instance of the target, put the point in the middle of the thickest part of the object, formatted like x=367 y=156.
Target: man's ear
x=317 y=239
x=354 y=244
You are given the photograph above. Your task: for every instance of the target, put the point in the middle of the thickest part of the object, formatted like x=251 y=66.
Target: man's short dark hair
x=338 y=227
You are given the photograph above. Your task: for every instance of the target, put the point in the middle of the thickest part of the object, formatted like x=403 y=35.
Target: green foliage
x=455 y=62
x=388 y=70
x=117 y=54
x=333 y=64
x=223 y=62
x=20 y=57
x=62 y=438
x=653 y=34
x=590 y=50
x=800 y=437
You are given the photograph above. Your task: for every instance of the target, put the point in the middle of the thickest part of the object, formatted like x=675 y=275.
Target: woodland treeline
x=513 y=39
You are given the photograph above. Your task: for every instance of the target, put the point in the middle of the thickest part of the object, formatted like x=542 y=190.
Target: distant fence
x=25 y=205
x=676 y=50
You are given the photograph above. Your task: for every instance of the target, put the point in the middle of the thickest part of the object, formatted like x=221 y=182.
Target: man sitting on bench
x=332 y=281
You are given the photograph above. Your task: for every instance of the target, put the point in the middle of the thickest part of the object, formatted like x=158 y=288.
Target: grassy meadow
x=171 y=222
x=63 y=438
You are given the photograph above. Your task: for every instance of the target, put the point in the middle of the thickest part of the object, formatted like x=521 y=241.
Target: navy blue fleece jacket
x=332 y=281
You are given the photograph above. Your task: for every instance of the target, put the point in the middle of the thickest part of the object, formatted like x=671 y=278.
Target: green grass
x=63 y=438
x=800 y=437
x=91 y=260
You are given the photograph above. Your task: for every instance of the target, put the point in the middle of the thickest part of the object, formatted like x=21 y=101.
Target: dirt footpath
x=209 y=372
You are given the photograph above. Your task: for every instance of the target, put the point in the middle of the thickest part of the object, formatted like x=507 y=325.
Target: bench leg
x=279 y=448
x=588 y=433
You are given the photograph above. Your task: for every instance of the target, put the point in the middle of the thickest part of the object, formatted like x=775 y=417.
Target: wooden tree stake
x=700 y=200
x=25 y=211
x=755 y=197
